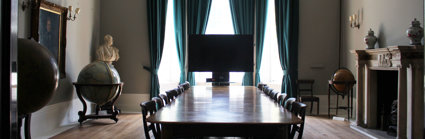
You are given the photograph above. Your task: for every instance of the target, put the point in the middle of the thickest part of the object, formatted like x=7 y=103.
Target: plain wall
x=388 y=18
x=318 y=42
x=126 y=21
x=81 y=35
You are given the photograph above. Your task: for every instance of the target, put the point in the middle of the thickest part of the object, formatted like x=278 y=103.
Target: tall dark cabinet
x=8 y=40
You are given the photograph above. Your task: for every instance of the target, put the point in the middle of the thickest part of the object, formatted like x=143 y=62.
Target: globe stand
x=27 y=126
x=347 y=91
x=112 y=115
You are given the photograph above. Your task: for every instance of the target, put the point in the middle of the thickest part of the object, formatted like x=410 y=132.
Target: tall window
x=270 y=71
x=169 y=70
x=219 y=22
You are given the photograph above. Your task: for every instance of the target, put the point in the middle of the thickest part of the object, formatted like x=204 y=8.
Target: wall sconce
x=76 y=11
x=354 y=21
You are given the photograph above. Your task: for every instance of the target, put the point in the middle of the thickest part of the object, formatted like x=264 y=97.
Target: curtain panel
x=287 y=19
x=180 y=32
x=156 y=10
x=245 y=20
x=198 y=12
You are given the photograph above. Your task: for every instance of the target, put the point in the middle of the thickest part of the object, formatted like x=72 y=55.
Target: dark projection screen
x=221 y=53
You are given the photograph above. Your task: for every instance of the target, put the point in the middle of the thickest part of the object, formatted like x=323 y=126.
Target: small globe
x=98 y=72
x=37 y=76
x=342 y=75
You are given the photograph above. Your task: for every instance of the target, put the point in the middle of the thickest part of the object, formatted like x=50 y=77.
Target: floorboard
x=130 y=126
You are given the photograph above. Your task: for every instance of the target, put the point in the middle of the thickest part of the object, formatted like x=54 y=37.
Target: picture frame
x=48 y=27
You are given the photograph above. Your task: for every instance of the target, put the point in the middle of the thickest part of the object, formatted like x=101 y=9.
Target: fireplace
x=387 y=94
x=385 y=75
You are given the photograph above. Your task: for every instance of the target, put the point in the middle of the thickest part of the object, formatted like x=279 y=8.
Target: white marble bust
x=106 y=52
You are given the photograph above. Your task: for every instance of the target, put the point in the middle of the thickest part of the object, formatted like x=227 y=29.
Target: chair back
x=273 y=94
x=180 y=89
x=298 y=109
x=164 y=97
x=148 y=109
x=281 y=98
x=275 y=97
x=158 y=102
x=304 y=86
x=268 y=90
x=288 y=103
x=265 y=89
x=186 y=85
x=171 y=94
x=261 y=86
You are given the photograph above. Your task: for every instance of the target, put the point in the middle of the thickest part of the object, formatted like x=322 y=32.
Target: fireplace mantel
x=391 y=58
x=408 y=61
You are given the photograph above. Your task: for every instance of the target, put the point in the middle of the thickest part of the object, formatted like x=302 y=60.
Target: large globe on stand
x=98 y=72
x=342 y=75
x=37 y=76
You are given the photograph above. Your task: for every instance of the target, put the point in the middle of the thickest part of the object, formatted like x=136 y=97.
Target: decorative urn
x=415 y=33
x=370 y=39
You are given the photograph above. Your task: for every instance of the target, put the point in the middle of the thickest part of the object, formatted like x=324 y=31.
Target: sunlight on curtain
x=271 y=72
x=169 y=71
x=219 y=22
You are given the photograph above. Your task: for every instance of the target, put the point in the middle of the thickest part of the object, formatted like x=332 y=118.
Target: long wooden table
x=224 y=111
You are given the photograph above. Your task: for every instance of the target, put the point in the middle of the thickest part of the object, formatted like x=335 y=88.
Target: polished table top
x=224 y=105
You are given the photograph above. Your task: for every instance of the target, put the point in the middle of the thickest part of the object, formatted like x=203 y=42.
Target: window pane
x=169 y=70
x=270 y=71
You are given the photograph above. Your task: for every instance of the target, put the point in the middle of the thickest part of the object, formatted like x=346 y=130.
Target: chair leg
x=318 y=104
x=311 y=108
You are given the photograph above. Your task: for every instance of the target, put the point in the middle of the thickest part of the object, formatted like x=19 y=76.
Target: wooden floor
x=130 y=126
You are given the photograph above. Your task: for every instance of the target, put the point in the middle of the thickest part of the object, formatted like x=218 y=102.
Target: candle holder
x=70 y=16
x=354 y=21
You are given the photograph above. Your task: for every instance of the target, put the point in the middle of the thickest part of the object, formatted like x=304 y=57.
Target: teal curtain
x=198 y=12
x=287 y=18
x=261 y=18
x=243 y=23
x=157 y=10
x=180 y=28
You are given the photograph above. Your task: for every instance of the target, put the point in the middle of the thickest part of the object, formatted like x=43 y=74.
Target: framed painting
x=48 y=27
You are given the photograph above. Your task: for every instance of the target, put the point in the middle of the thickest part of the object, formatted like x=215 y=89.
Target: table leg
x=329 y=101
x=166 y=131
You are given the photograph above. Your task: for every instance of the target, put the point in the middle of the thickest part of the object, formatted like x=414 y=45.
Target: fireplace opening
x=387 y=86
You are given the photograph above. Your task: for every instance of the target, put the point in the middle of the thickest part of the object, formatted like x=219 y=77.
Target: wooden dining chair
x=165 y=98
x=268 y=90
x=273 y=94
x=281 y=98
x=307 y=86
x=180 y=89
x=261 y=86
x=148 y=109
x=275 y=97
x=298 y=108
x=265 y=88
x=288 y=103
x=171 y=94
x=159 y=102
x=186 y=85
